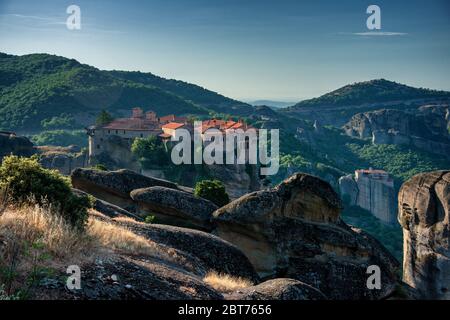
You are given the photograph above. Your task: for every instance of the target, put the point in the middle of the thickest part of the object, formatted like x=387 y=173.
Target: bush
x=25 y=180
x=100 y=167
x=213 y=190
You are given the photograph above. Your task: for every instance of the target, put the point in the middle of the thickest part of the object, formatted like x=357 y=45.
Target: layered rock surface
x=294 y=230
x=174 y=207
x=115 y=186
x=278 y=289
x=424 y=210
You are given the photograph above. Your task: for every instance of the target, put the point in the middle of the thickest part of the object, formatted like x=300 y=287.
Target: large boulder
x=213 y=253
x=294 y=230
x=278 y=289
x=106 y=208
x=424 y=211
x=174 y=207
x=114 y=186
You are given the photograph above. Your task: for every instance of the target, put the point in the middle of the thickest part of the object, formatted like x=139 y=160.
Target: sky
x=244 y=49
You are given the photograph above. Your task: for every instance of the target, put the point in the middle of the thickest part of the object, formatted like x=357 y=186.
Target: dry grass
x=120 y=238
x=225 y=283
x=128 y=220
x=32 y=224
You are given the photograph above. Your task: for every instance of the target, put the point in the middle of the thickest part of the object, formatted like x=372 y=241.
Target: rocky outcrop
x=106 y=208
x=278 y=289
x=425 y=128
x=174 y=207
x=63 y=159
x=213 y=253
x=294 y=230
x=132 y=279
x=16 y=145
x=348 y=188
x=424 y=213
x=115 y=186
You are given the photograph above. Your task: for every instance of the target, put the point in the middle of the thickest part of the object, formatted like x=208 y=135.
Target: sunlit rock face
x=294 y=230
x=424 y=205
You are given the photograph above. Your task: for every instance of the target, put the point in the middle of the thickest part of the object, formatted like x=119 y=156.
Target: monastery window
x=109 y=131
x=124 y=132
x=117 y=131
x=142 y=135
x=98 y=146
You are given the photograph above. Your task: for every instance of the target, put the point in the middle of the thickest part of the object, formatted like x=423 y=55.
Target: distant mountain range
x=41 y=86
x=337 y=107
x=369 y=92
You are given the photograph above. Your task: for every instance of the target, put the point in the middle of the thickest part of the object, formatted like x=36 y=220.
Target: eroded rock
x=294 y=230
x=424 y=210
x=174 y=207
x=114 y=186
x=278 y=289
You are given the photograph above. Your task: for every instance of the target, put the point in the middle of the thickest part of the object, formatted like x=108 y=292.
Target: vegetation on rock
x=212 y=190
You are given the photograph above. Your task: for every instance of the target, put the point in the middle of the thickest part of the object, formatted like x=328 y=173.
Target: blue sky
x=245 y=49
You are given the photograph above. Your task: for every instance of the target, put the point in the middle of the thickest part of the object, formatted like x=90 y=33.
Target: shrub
x=24 y=179
x=149 y=219
x=213 y=190
x=100 y=167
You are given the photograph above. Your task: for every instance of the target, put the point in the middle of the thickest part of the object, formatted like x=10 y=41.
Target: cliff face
x=424 y=213
x=375 y=195
x=425 y=128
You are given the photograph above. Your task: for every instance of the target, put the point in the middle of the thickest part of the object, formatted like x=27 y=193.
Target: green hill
x=368 y=92
x=37 y=87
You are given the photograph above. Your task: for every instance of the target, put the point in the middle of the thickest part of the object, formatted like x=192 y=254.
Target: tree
x=104 y=118
x=150 y=152
x=212 y=190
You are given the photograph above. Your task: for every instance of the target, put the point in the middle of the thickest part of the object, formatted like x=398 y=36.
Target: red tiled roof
x=132 y=124
x=372 y=171
x=172 y=125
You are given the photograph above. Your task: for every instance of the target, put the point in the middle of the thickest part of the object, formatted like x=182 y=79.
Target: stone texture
x=114 y=186
x=294 y=230
x=348 y=186
x=107 y=208
x=424 y=210
x=278 y=289
x=174 y=207
x=425 y=128
x=212 y=252
x=63 y=159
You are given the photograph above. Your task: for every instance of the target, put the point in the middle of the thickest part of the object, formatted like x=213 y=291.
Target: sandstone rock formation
x=16 y=145
x=212 y=252
x=424 y=213
x=107 y=208
x=278 y=289
x=174 y=207
x=294 y=230
x=425 y=128
x=115 y=186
